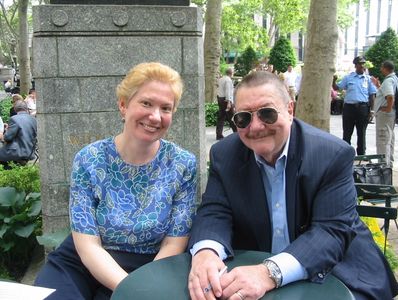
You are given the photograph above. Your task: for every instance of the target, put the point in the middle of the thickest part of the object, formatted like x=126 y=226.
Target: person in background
x=358 y=99
x=2 y=126
x=290 y=77
x=225 y=100
x=298 y=82
x=14 y=99
x=8 y=86
x=31 y=102
x=20 y=137
x=281 y=186
x=132 y=196
x=384 y=109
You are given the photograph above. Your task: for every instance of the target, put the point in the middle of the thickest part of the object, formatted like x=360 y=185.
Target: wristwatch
x=274 y=272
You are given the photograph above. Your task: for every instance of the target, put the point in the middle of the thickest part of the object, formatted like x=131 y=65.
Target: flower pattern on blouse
x=132 y=208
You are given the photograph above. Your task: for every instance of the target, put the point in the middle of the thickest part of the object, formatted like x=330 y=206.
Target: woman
x=132 y=197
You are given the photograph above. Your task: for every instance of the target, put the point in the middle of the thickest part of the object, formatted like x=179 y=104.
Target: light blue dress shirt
x=275 y=187
x=358 y=87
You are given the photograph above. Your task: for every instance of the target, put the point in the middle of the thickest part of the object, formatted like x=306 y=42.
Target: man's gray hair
x=20 y=105
x=257 y=78
x=389 y=65
x=229 y=71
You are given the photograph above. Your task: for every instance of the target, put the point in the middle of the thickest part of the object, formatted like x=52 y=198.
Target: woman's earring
x=123 y=120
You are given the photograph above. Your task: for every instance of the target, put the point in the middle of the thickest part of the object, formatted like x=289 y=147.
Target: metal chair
x=378 y=194
x=386 y=213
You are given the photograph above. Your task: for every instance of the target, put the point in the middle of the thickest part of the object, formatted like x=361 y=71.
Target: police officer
x=359 y=96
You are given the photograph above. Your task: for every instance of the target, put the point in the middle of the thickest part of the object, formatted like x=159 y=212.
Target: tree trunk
x=23 y=47
x=212 y=48
x=313 y=105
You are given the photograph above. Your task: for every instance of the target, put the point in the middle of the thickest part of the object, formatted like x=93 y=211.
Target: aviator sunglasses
x=268 y=115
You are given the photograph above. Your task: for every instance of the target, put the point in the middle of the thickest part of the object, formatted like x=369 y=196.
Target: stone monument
x=80 y=54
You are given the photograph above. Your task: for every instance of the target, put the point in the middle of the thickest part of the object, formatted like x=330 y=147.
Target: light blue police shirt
x=358 y=87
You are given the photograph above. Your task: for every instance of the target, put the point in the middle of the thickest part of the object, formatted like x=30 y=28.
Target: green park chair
x=378 y=194
x=371 y=158
x=386 y=213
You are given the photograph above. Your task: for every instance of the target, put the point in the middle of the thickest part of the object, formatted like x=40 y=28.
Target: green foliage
x=20 y=221
x=22 y=178
x=246 y=62
x=282 y=55
x=53 y=240
x=223 y=66
x=287 y=15
x=5 y=106
x=385 y=48
x=239 y=29
x=211 y=111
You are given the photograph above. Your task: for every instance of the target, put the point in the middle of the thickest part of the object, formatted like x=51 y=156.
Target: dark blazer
x=326 y=233
x=20 y=138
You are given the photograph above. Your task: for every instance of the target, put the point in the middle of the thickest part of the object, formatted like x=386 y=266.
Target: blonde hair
x=16 y=97
x=145 y=72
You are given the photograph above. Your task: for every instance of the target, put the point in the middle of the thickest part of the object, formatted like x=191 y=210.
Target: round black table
x=167 y=279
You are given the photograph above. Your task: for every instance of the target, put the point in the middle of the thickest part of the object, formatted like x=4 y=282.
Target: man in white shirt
x=225 y=99
x=384 y=109
x=290 y=82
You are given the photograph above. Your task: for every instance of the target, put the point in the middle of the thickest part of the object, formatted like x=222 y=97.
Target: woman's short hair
x=146 y=72
x=16 y=97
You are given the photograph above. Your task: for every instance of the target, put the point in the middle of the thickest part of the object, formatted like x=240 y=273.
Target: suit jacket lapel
x=292 y=170
x=256 y=197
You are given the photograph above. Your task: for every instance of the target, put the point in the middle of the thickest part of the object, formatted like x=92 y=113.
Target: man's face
x=360 y=68
x=384 y=71
x=266 y=140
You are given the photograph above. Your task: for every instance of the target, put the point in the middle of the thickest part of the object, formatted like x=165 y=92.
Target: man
x=385 y=111
x=290 y=81
x=20 y=137
x=281 y=186
x=225 y=94
x=358 y=99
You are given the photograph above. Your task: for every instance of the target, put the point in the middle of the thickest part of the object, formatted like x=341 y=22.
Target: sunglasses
x=268 y=115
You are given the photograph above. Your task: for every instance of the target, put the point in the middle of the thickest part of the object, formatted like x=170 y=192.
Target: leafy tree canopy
x=385 y=48
x=239 y=29
x=282 y=55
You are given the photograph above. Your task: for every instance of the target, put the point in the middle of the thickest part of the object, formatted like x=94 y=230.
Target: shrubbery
x=20 y=218
x=5 y=106
x=385 y=48
x=282 y=55
x=211 y=111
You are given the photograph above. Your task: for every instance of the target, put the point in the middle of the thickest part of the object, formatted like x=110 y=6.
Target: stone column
x=80 y=54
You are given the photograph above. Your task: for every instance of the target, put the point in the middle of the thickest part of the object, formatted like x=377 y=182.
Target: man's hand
x=203 y=280
x=375 y=81
x=229 y=106
x=247 y=282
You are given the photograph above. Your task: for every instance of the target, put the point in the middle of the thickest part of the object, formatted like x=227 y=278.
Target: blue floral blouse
x=132 y=208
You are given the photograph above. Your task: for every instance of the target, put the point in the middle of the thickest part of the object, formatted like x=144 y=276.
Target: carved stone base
x=124 y=2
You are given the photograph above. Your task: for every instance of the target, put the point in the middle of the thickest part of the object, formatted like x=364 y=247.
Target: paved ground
x=335 y=128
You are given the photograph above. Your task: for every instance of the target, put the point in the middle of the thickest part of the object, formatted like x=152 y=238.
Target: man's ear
x=290 y=107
